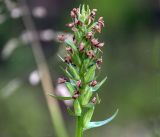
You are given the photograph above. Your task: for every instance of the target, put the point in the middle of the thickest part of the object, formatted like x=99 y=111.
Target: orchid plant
x=83 y=60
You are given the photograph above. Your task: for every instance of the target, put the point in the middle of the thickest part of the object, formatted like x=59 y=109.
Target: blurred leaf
x=76 y=60
x=101 y=123
x=60 y=97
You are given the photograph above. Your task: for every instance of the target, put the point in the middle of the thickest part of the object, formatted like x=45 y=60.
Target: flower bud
x=70 y=25
x=99 y=61
x=100 y=45
x=81 y=46
x=93 y=83
x=101 y=21
x=97 y=28
x=78 y=84
x=73 y=15
x=90 y=53
x=61 y=38
x=94 y=42
x=89 y=35
x=69 y=49
x=94 y=100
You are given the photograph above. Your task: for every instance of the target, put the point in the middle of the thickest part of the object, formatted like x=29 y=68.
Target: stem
x=79 y=128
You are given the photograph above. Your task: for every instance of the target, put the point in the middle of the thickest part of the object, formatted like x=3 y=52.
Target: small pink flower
x=68 y=59
x=94 y=42
x=69 y=49
x=89 y=35
x=76 y=95
x=93 y=83
x=78 y=84
x=97 y=28
x=61 y=38
x=99 y=61
x=100 y=45
x=81 y=46
x=70 y=25
x=73 y=15
x=90 y=53
x=94 y=100
x=101 y=21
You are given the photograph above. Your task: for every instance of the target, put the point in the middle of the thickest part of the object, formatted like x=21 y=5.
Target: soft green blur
x=131 y=62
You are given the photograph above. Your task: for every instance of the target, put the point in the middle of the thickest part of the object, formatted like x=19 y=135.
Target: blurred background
x=131 y=62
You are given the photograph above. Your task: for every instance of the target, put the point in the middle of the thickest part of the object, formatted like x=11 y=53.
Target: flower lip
x=90 y=53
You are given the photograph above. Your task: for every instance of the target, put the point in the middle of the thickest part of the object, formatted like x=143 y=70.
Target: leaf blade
x=60 y=97
x=101 y=123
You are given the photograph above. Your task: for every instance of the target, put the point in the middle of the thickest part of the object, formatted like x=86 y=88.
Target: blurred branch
x=43 y=70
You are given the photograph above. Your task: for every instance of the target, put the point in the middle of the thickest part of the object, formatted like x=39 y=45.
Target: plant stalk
x=79 y=128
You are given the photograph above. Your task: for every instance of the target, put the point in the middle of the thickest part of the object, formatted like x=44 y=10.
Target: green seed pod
x=88 y=116
x=77 y=108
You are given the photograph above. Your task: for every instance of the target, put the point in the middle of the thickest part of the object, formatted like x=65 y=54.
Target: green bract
x=83 y=60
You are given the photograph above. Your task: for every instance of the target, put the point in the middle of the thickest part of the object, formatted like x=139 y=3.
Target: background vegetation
x=131 y=62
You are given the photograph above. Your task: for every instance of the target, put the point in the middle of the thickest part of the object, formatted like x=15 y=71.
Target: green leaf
x=74 y=72
x=66 y=73
x=60 y=97
x=76 y=60
x=71 y=44
x=85 y=97
x=101 y=123
x=70 y=87
x=90 y=74
x=77 y=108
x=95 y=88
x=70 y=112
x=88 y=116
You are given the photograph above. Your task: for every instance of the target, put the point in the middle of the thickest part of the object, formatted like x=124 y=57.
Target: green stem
x=79 y=128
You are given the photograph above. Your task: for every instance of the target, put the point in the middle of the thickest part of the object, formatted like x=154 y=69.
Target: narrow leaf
x=71 y=44
x=95 y=88
x=66 y=73
x=60 y=97
x=101 y=123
